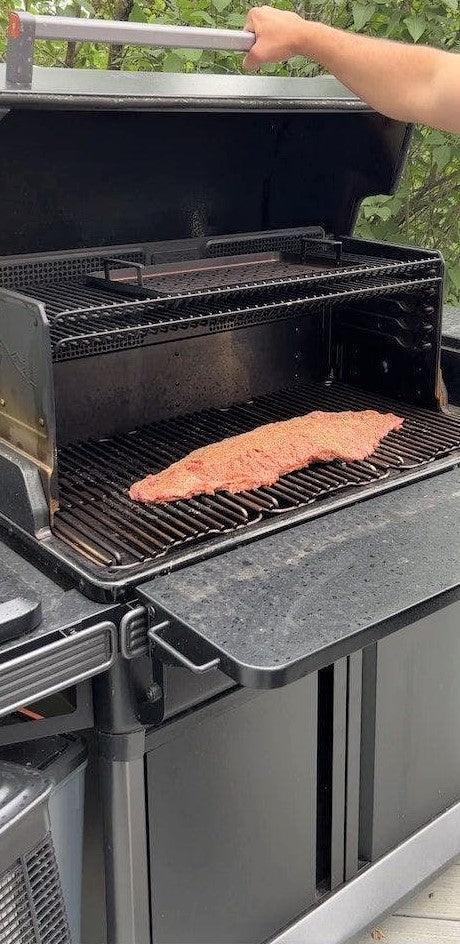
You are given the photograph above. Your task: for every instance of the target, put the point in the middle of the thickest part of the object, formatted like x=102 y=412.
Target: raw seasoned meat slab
x=261 y=456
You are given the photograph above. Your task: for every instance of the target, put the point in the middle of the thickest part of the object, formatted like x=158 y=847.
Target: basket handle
x=25 y=28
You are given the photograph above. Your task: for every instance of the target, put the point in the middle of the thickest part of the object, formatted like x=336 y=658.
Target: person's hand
x=278 y=36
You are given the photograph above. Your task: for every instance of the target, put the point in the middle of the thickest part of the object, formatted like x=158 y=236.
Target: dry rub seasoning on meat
x=261 y=456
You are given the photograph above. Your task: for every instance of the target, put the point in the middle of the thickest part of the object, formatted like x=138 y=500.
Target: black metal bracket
x=322 y=246
x=124 y=264
x=156 y=635
x=133 y=633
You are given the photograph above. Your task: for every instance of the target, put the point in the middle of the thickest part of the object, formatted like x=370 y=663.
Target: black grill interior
x=98 y=518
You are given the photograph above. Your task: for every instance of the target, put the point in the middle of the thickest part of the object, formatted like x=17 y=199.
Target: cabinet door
x=232 y=811
x=410 y=766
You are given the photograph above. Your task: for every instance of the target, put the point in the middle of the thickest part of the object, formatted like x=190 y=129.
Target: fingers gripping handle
x=25 y=28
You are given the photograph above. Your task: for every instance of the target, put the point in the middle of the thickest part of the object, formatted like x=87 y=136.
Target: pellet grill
x=177 y=265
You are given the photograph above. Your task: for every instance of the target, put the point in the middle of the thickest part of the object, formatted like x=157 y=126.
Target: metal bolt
x=154 y=693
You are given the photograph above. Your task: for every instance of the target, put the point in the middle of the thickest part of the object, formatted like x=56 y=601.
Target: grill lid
x=102 y=160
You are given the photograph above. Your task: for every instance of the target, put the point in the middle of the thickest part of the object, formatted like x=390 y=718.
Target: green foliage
x=425 y=209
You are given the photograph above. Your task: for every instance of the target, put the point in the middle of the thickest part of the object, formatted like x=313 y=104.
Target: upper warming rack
x=131 y=303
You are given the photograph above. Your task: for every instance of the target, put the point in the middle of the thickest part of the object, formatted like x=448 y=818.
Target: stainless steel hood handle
x=25 y=28
x=179 y=656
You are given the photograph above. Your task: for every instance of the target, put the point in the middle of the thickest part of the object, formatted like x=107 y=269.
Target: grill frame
x=417 y=331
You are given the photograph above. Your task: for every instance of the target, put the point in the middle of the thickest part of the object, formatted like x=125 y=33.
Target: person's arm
x=410 y=83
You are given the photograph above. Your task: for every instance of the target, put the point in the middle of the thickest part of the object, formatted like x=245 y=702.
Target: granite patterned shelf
x=296 y=601
x=451 y=325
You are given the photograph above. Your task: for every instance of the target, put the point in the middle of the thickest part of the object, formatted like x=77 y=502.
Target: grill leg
x=121 y=773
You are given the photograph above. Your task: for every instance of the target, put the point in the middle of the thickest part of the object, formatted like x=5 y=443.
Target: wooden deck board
x=431 y=916
x=397 y=930
x=440 y=899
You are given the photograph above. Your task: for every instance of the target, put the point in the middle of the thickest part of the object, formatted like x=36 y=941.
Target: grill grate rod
x=64 y=300
x=70 y=343
x=98 y=518
x=88 y=319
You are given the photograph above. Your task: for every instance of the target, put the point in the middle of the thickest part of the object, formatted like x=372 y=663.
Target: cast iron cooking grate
x=98 y=518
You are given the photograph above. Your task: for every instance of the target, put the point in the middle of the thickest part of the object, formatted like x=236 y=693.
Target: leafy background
x=424 y=211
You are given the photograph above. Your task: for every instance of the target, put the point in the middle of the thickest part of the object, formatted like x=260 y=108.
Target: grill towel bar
x=158 y=640
x=25 y=28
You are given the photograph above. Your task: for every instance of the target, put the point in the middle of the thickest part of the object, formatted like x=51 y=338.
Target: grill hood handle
x=25 y=28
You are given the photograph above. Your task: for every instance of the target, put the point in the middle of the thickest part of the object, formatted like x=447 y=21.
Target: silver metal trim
x=136 y=613
x=29 y=658
x=377 y=888
x=24 y=28
x=141 y=34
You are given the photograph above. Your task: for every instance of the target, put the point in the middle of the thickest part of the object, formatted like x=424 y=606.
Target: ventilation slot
x=19 y=274
x=31 y=905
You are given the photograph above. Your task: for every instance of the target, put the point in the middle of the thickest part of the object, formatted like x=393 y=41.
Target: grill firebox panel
x=100 y=521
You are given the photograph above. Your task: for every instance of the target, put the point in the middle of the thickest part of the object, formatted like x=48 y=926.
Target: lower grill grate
x=98 y=518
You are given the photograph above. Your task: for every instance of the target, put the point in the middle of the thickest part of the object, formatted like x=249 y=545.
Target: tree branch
x=123 y=11
x=71 y=54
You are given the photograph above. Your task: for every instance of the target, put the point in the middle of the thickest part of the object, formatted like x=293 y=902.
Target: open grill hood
x=156 y=157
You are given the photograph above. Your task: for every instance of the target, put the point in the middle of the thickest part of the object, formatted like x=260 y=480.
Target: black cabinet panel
x=231 y=806
x=410 y=767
